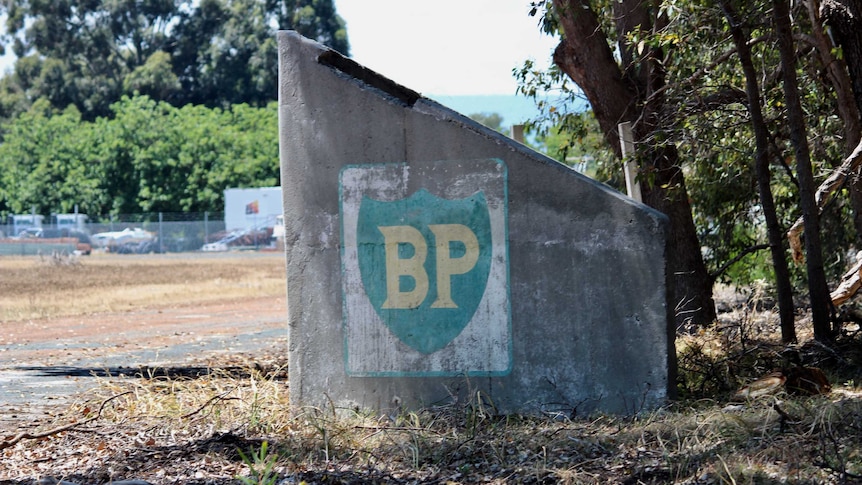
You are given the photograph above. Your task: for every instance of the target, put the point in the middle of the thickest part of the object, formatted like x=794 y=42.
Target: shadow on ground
x=156 y=372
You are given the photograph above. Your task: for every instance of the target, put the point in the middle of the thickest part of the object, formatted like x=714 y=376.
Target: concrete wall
x=569 y=315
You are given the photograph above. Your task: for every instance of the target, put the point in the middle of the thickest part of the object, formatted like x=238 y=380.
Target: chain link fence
x=160 y=232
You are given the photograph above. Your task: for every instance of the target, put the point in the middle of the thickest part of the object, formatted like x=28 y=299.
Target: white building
x=255 y=208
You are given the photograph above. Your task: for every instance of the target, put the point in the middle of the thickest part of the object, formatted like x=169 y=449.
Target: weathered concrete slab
x=432 y=259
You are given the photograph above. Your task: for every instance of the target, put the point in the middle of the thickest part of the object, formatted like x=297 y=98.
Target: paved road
x=45 y=362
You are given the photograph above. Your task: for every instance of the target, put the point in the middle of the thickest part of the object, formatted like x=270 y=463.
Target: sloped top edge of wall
x=352 y=68
x=416 y=102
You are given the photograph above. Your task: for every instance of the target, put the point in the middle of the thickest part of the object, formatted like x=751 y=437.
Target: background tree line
x=135 y=106
x=213 y=53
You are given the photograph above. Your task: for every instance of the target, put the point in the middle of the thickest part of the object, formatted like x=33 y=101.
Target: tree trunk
x=847 y=81
x=761 y=168
x=618 y=95
x=817 y=289
x=844 y=21
x=844 y=18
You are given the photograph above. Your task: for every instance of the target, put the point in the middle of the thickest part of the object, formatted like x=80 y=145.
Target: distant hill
x=514 y=109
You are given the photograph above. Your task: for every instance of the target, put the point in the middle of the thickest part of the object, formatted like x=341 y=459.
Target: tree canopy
x=208 y=52
x=148 y=156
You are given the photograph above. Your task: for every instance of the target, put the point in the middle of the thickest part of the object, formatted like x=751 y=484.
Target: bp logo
x=425 y=269
x=424 y=263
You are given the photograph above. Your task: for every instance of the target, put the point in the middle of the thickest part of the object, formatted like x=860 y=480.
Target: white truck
x=75 y=221
x=26 y=224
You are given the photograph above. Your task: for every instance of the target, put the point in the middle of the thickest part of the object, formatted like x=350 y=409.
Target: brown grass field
x=231 y=424
x=47 y=287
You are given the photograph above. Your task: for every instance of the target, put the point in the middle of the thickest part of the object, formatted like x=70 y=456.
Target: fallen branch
x=218 y=397
x=25 y=435
x=826 y=189
x=850 y=284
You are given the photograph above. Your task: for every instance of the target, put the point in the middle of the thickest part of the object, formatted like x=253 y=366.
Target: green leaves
x=210 y=52
x=149 y=157
x=154 y=78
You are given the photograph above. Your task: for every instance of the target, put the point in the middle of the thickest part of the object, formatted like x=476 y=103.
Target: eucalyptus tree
x=817 y=287
x=843 y=19
x=673 y=65
x=78 y=51
x=741 y=34
x=604 y=50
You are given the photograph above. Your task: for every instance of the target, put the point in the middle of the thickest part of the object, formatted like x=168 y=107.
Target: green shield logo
x=424 y=262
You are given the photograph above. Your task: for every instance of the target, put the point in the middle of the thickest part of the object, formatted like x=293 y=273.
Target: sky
x=446 y=47
x=441 y=47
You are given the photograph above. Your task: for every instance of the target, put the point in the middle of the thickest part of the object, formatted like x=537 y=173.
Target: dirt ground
x=186 y=368
x=66 y=341
x=45 y=362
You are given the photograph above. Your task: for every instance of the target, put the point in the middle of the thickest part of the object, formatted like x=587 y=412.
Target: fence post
x=161 y=246
x=629 y=166
x=517 y=133
x=206 y=227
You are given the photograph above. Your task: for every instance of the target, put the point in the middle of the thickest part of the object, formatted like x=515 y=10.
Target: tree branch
x=24 y=435
x=745 y=252
x=829 y=186
x=217 y=397
x=703 y=71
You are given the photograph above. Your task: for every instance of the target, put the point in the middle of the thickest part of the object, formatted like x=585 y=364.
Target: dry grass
x=230 y=424
x=212 y=429
x=33 y=287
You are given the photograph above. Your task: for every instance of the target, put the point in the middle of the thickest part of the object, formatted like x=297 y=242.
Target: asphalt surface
x=48 y=363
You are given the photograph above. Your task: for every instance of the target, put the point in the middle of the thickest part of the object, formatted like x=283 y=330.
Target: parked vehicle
x=114 y=240
x=23 y=222
x=49 y=236
x=84 y=246
x=247 y=238
x=30 y=233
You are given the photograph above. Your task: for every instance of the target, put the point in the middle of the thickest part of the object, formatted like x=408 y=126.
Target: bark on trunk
x=633 y=94
x=843 y=19
x=774 y=233
x=817 y=288
x=828 y=187
x=838 y=73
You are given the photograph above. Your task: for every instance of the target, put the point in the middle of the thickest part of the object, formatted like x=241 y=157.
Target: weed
x=261 y=465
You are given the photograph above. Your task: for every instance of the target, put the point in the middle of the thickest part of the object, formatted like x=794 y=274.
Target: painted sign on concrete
x=425 y=270
x=431 y=260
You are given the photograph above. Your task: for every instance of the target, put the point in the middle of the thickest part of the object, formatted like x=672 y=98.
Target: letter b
x=396 y=267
